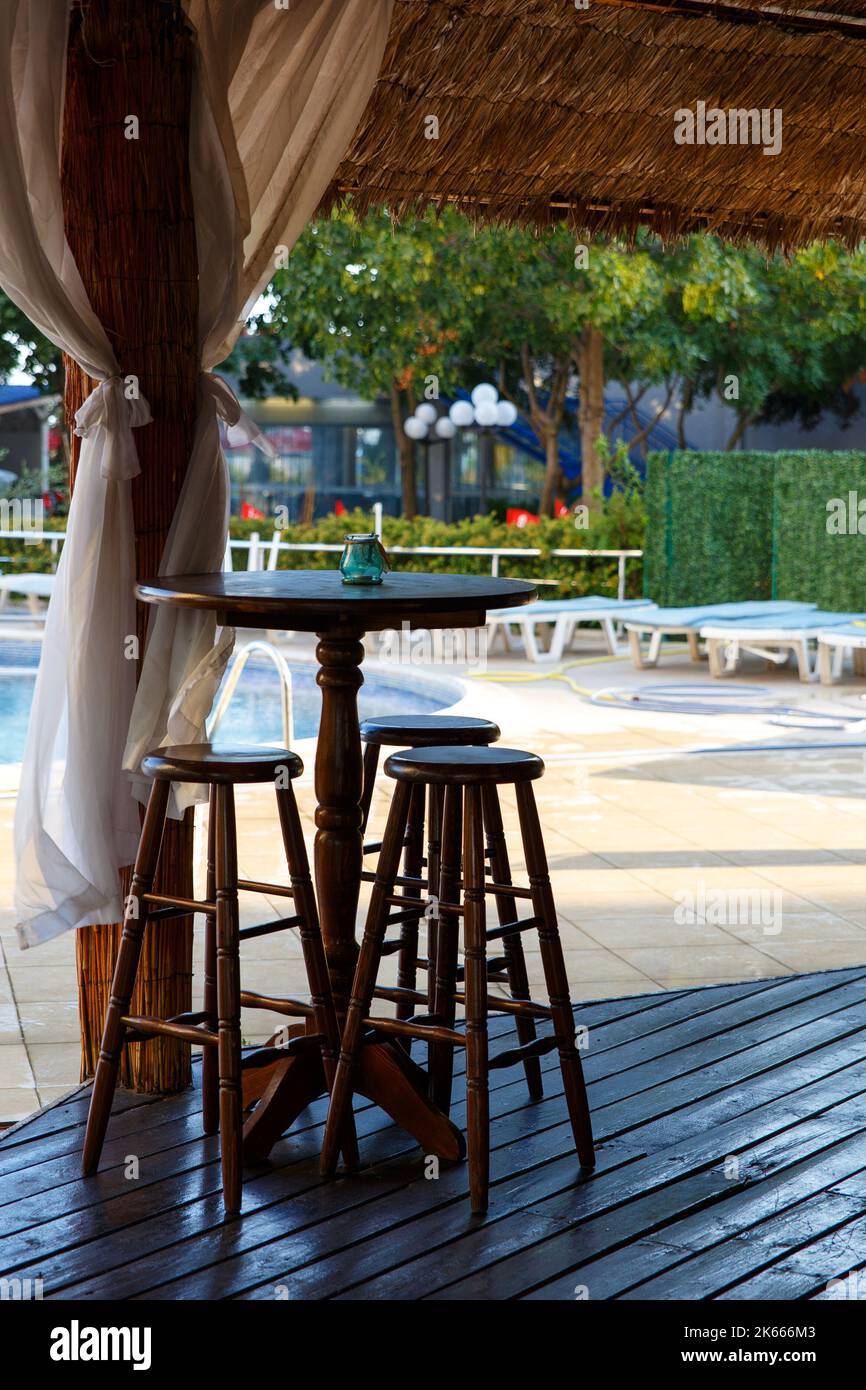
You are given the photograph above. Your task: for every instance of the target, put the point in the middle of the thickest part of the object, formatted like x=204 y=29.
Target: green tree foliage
x=24 y=348
x=774 y=339
x=383 y=308
x=424 y=306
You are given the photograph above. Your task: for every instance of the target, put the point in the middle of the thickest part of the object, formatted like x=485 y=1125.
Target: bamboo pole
x=129 y=222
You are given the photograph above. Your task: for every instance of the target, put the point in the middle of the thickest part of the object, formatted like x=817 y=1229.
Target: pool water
x=254 y=714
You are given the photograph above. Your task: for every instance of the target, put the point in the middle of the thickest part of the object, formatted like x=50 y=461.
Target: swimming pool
x=253 y=716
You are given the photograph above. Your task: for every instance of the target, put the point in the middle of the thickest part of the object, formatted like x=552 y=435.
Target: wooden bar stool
x=466 y=775
x=218 y=1026
x=415 y=731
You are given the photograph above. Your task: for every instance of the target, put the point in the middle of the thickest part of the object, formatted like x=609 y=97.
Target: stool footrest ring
x=138 y=1028
x=254 y=885
x=293 y=1008
x=266 y=928
x=187 y=904
x=413 y=1028
x=539 y=1047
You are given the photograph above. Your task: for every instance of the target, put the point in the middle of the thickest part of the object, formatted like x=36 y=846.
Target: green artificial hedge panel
x=727 y=527
x=709 y=527
x=814 y=562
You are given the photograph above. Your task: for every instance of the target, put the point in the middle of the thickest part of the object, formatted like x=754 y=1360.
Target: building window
x=375 y=462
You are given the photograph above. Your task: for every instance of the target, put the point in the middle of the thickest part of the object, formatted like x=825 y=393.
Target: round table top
x=319 y=598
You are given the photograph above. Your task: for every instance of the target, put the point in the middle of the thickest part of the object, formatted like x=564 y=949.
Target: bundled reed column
x=129 y=221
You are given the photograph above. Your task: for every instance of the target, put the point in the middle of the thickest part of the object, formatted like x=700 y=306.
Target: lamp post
x=434 y=431
x=485 y=412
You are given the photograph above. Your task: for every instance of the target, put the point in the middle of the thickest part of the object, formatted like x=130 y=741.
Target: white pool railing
x=264 y=554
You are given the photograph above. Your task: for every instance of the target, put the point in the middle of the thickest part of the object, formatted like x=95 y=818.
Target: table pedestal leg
x=386 y=1075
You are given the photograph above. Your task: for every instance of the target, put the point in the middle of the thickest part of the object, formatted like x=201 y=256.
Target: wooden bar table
x=318 y=601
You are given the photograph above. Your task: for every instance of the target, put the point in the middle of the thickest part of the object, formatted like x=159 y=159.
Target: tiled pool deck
x=643 y=835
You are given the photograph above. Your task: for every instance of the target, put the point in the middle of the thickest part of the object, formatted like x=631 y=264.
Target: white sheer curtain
x=278 y=95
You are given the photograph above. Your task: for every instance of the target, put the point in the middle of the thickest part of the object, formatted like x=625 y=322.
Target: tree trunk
x=129 y=221
x=590 y=368
x=686 y=403
x=406 y=449
x=552 y=470
x=739 y=430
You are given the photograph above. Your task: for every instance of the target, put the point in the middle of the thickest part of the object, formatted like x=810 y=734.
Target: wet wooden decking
x=732 y=1164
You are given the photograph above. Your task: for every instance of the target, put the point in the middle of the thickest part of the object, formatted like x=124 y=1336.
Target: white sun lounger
x=833 y=643
x=657 y=623
x=564 y=615
x=33 y=587
x=773 y=639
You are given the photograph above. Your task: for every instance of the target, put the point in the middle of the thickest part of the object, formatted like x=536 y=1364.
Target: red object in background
x=251 y=513
x=339 y=509
x=55 y=441
x=518 y=516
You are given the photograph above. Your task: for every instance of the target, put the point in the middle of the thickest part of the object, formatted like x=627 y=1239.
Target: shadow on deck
x=732 y=1163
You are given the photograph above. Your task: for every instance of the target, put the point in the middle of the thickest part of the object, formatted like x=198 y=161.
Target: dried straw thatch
x=547 y=111
x=128 y=205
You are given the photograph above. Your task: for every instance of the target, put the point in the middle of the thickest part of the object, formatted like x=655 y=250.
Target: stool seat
x=197 y=762
x=422 y=730
x=464 y=766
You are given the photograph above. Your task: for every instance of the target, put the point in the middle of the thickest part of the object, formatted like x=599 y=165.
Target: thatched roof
x=548 y=111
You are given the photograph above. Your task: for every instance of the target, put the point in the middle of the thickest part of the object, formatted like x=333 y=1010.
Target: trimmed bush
x=571 y=578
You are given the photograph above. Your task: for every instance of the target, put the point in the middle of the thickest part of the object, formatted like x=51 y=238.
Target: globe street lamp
x=485 y=412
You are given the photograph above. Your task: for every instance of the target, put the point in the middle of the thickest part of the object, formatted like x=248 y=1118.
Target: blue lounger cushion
x=767 y=609
x=809 y=621
x=574 y=606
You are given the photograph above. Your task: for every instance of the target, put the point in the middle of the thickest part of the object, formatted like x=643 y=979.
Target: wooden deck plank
x=618 y=1255
x=440 y=1224
x=771 y=1070
x=514 y=1092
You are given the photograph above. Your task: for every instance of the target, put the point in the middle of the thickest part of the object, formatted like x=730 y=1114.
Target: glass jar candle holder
x=364 y=560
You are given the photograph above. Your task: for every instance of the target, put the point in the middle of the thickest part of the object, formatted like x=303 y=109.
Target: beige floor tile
x=817 y=927
x=583 y=966
x=16 y=1105
x=55 y=1064
x=667 y=965
x=611 y=989
x=50 y=1022
x=637 y=931
x=575 y=906
x=32 y=983
x=15 y=1068
x=49 y=1094
x=802 y=956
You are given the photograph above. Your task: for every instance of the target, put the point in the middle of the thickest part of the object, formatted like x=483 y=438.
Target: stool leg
x=506 y=908
x=371 y=767
x=313 y=948
x=555 y=974
x=436 y=796
x=228 y=998
x=210 y=1087
x=475 y=959
x=364 y=981
x=123 y=981
x=441 y=1055
x=407 y=970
